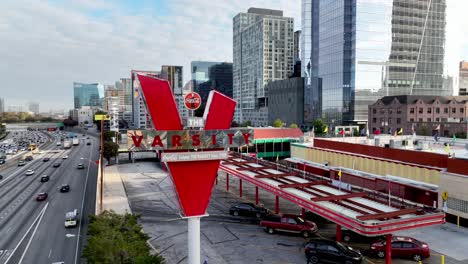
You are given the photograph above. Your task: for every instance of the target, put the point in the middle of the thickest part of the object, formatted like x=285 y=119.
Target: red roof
x=261 y=133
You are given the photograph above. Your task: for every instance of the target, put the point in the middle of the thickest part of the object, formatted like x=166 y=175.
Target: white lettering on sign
x=195 y=122
x=192 y=156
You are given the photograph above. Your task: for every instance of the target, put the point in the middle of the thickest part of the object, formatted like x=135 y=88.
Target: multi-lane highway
x=34 y=232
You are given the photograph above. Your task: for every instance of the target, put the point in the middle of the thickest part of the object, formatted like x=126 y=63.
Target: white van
x=71 y=218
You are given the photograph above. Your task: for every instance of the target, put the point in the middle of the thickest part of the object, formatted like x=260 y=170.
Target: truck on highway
x=67 y=144
x=288 y=223
x=76 y=141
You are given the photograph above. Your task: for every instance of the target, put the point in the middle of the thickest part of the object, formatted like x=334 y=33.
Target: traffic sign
x=192 y=101
x=445 y=195
x=102 y=117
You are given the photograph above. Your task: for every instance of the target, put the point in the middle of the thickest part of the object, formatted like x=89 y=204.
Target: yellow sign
x=445 y=196
x=102 y=117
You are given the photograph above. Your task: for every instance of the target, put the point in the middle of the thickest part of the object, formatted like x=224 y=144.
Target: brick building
x=423 y=113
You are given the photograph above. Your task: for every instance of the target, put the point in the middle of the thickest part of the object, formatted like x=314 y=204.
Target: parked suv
x=329 y=251
x=248 y=209
x=402 y=247
x=288 y=223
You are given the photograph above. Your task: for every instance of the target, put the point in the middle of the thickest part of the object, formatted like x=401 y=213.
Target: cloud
x=48 y=45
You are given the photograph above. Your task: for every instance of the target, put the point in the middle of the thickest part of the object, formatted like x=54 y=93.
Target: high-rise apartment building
x=2 y=105
x=262 y=52
x=463 y=78
x=88 y=95
x=356 y=51
x=174 y=75
x=200 y=72
x=33 y=107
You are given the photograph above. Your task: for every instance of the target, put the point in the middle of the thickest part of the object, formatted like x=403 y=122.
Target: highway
x=34 y=232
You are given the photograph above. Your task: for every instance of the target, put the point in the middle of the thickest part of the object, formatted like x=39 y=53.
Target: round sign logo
x=192 y=101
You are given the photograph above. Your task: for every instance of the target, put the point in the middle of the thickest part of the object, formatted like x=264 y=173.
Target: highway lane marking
x=33 y=234
x=27 y=231
x=82 y=206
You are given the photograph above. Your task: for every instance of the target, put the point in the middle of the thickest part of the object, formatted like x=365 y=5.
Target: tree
x=277 y=123
x=293 y=125
x=319 y=126
x=111 y=149
x=246 y=124
x=234 y=124
x=117 y=238
x=108 y=135
x=70 y=122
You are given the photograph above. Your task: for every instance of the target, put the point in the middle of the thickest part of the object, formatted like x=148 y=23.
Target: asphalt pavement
x=34 y=232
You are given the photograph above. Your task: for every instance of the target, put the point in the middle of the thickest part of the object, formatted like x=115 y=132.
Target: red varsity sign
x=193 y=180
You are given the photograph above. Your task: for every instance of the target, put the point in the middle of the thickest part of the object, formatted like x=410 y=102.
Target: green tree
x=70 y=122
x=277 y=123
x=108 y=135
x=116 y=238
x=293 y=125
x=234 y=124
x=319 y=126
x=246 y=124
x=110 y=150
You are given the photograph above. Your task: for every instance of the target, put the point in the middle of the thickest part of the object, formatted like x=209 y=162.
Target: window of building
x=411 y=120
x=390 y=111
x=446 y=110
x=429 y=110
x=398 y=120
x=437 y=119
x=389 y=121
x=382 y=110
x=411 y=110
x=374 y=111
x=398 y=110
x=374 y=120
x=429 y=119
x=437 y=110
x=461 y=110
x=421 y=110
x=454 y=110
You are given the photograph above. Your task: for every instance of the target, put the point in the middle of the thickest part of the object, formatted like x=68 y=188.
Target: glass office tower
x=356 y=51
x=88 y=95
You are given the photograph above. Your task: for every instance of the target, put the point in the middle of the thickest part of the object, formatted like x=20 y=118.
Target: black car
x=65 y=188
x=248 y=209
x=88 y=143
x=1 y=177
x=328 y=251
x=28 y=158
x=45 y=159
x=2 y=161
x=56 y=165
x=45 y=178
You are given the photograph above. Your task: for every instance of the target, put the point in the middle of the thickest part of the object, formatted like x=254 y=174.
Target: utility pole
x=102 y=168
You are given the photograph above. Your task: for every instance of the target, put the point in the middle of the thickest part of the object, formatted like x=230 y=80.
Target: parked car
x=248 y=209
x=41 y=196
x=28 y=158
x=80 y=166
x=402 y=247
x=29 y=172
x=56 y=165
x=21 y=163
x=288 y=223
x=350 y=236
x=65 y=188
x=329 y=251
x=45 y=178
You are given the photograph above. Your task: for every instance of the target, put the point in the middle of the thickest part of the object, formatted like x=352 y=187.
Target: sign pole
x=193 y=240
x=102 y=168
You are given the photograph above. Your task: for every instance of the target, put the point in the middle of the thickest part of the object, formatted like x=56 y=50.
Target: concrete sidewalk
x=115 y=196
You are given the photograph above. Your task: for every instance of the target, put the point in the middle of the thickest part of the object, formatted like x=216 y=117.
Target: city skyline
x=86 y=55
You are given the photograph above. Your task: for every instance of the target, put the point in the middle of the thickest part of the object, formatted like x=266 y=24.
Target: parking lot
x=225 y=238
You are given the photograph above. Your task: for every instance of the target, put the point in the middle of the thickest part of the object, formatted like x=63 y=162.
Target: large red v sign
x=193 y=180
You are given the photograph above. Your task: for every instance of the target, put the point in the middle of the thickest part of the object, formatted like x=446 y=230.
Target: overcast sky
x=47 y=45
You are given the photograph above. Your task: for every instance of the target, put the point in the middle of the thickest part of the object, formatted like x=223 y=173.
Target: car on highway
x=29 y=172
x=21 y=163
x=58 y=144
x=45 y=159
x=41 y=196
x=71 y=218
x=1 y=177
x=65 y=188
x=402 y=247
x=65 y=157
x=88 y=143
x=248 y=209
x=28 y=158
x=80 y=166
x=319 y=250
x=2 y=161
x=45 y=178
x=56 y=165
x=288 y=223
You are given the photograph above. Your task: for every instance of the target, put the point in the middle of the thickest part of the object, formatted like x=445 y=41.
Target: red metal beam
x=387 y=215
x=271 y=176
x=234 y=162
x=338 y=197
x=255 y=168
x=299 y=185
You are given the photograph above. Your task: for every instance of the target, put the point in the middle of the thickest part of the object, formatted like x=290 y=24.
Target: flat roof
x=353 y=210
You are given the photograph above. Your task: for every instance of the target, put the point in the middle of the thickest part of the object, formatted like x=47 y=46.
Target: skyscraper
x=2 y=105
x=355 y=51
x=200 y=72
x=88 y=95
x=209 y=75
x=262 y=52
x=462 y=78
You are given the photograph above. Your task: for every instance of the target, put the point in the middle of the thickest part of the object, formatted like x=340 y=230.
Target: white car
x=65 y=157
x=59 y=144
x=29 y=172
